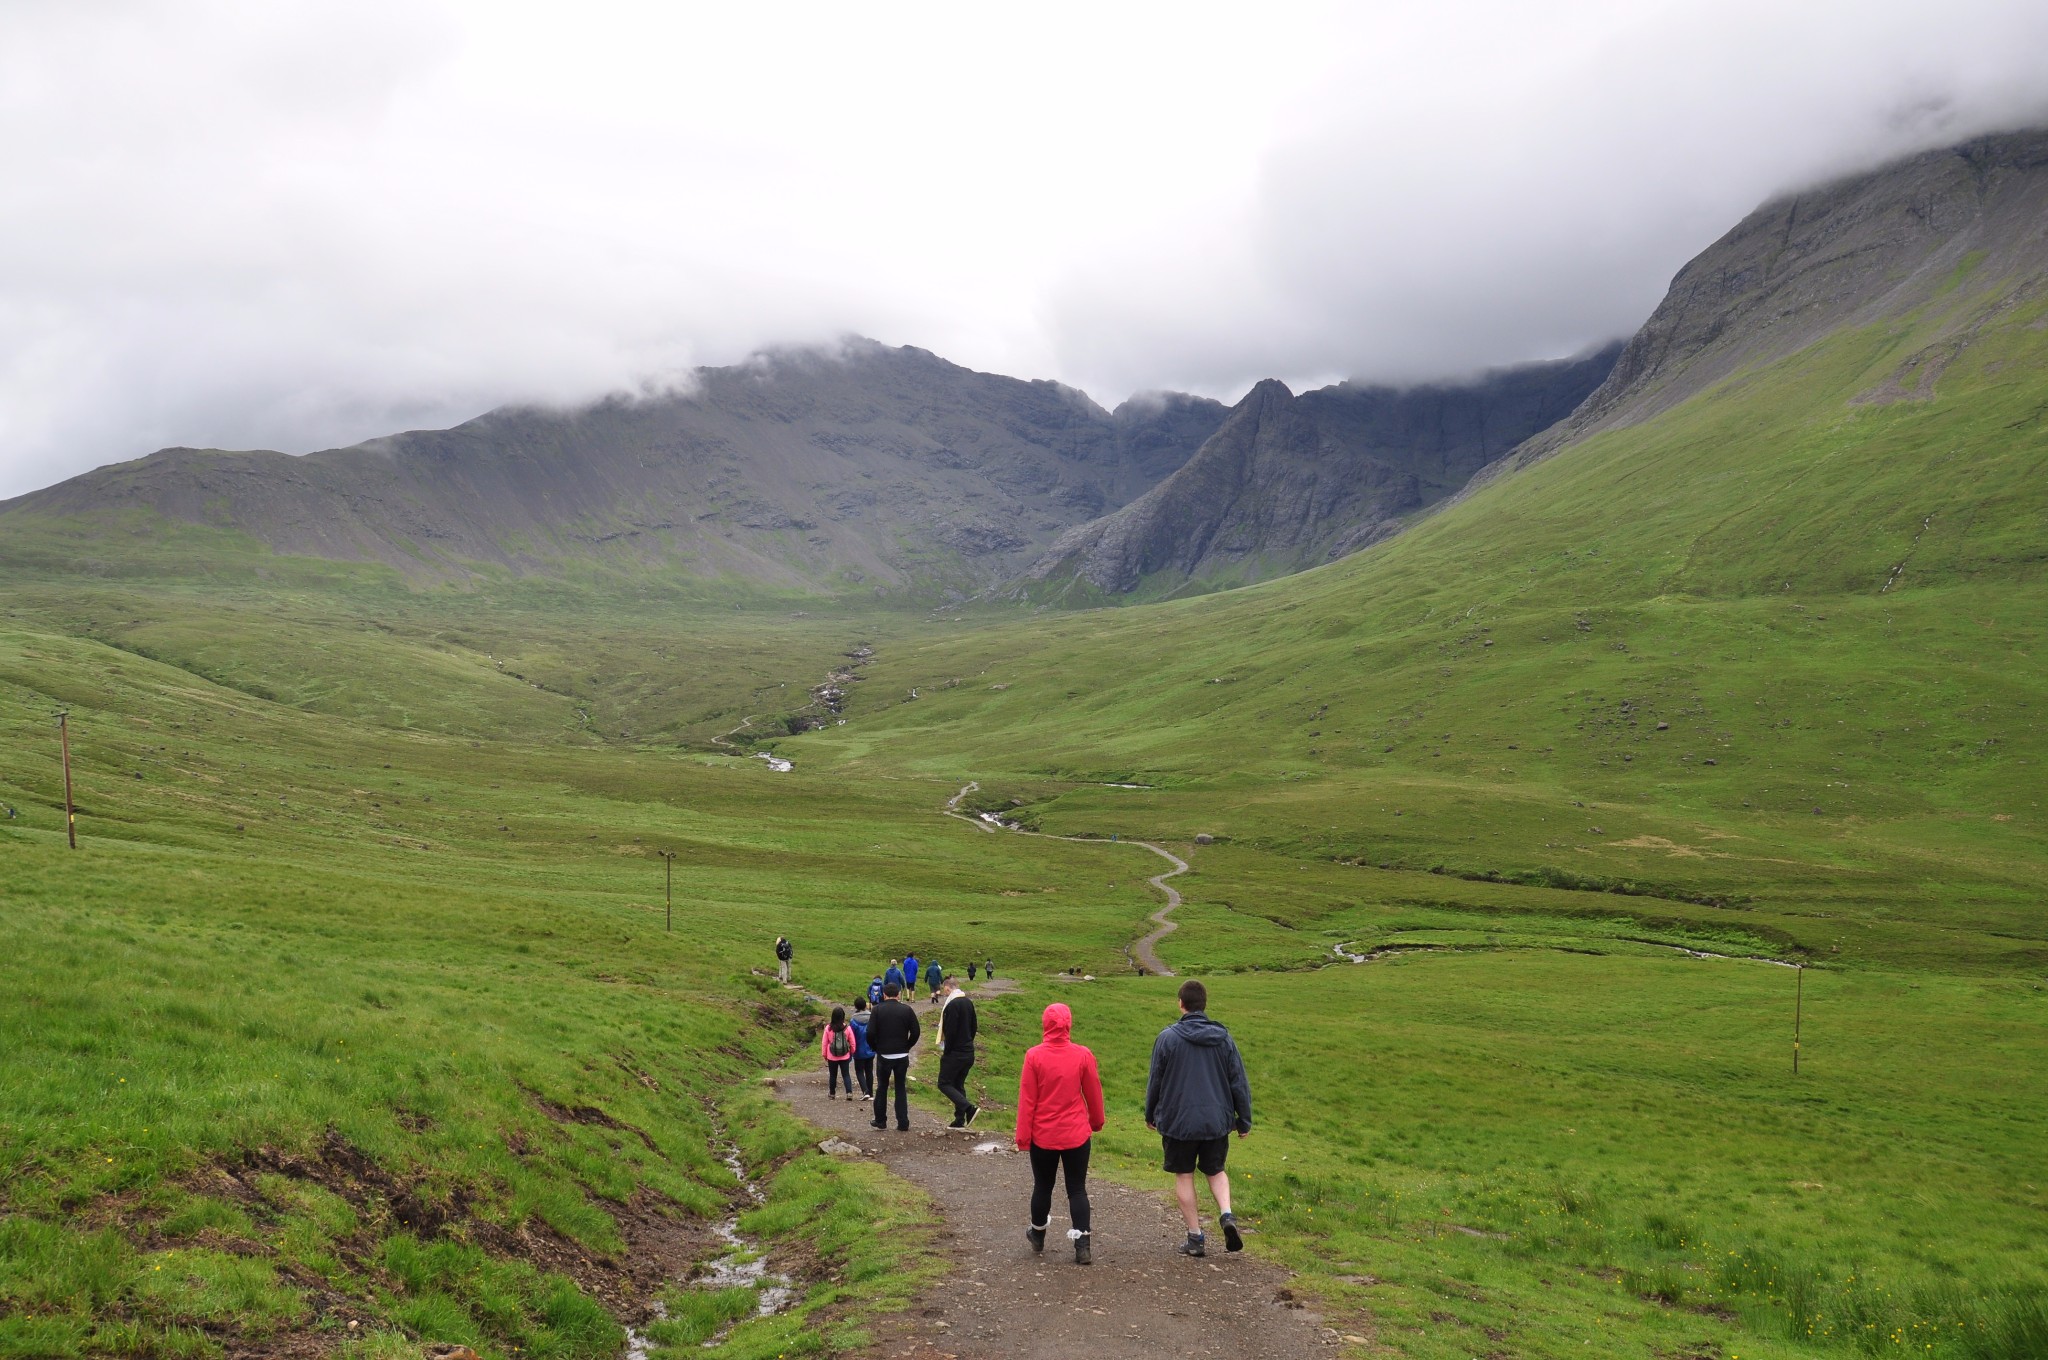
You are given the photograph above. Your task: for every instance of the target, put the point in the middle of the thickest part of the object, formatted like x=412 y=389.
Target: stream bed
x=742 y=1265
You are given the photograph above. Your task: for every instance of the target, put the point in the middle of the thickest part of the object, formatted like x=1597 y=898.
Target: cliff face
x=1850 y=253
x=1288 y=482
x=879 y=466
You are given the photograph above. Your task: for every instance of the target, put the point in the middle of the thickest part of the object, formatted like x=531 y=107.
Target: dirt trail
x=1140 y=1300
x=1140 y=951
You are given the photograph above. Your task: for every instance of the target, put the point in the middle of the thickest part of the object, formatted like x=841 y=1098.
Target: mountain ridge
x=874 y=466
x=1289 y=481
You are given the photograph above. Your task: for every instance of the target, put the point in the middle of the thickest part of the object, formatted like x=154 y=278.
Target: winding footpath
x=1140 y=1300
x=1140 y=952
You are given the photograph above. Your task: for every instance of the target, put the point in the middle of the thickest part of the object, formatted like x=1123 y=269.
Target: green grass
x=356 y=1003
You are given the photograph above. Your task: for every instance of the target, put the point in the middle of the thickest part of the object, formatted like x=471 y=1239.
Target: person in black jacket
x=957 y=1028
x=892 y=1033
x=784 y=952
x=1195 y=1096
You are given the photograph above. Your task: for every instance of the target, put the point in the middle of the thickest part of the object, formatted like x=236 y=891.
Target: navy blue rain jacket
x=1197 y=1089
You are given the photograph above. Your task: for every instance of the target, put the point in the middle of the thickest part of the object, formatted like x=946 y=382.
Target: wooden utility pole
x=668 y=887
x=1798 y=1005
x=64 y=741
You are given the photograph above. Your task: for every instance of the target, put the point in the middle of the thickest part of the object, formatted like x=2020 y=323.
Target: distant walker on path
x=783 y=954
x=957 y=1027
x=1196 y=1094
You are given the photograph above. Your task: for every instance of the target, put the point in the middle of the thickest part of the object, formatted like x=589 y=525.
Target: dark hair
x=860 y=1003
x=892 y=989
x=839 y=1017
x=1194 y=996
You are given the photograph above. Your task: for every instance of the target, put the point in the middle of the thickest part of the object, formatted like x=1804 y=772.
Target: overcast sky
x=285 y=225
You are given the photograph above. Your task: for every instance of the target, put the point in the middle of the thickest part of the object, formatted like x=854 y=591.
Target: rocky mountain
x=872 y=466
x=1930 y=231
x=1291 y=481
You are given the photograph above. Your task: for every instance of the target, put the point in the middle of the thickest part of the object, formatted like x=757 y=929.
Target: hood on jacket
x=1058 y=1023
x=1197 y=1028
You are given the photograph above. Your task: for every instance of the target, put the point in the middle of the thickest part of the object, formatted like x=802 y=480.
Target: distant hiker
x=892 y=976
x=892 y=1032
x=957 y=1027
x=1196 y=1094
x=837 y=1045
x=863 y=1051
x=971 y=966
x=910 y=977
x=988 y=969
x=932 y=974
x=783 y=954
x=875 y=991
x=1059 y=1110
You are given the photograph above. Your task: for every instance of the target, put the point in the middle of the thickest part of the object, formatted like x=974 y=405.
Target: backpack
x=839 y=1044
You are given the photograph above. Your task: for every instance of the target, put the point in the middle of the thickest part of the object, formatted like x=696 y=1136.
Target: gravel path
x=1140 y=1299
x=1140 y=952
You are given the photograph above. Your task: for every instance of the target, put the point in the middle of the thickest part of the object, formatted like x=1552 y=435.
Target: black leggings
x=1046 y=1164
x=836 y=1071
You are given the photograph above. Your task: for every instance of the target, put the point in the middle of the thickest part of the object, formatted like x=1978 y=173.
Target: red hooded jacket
x=1059 y=1094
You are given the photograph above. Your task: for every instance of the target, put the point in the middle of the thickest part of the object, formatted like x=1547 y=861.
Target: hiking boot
x=1196 y=1245
x=1036 y=1237
x=1233 y=1240
x=878 y=1123
x=958 y=1123
x=1083 y=1254
x=968 y=1122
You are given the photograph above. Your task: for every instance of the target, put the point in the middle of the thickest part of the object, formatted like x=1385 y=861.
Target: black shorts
x=1183 y=1155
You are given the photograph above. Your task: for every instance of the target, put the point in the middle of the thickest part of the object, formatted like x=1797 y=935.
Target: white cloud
x=294 y=225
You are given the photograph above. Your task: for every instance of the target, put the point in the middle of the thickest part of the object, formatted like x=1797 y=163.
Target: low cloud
x=306 y=224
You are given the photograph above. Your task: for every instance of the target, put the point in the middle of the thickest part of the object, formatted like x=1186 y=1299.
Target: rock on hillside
x=1289 y=482
x=1850 y=253
x=872 y=466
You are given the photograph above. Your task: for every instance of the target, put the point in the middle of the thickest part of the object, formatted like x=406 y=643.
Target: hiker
x=837 y=1046
x=875 y=990
x=971 y=966
x=863 y=1051
x=910 y=977
x=783 y=954
x=932 y=975
x=892 y=1033
x=988 y=969
x=1196 y=1094
x=1059 y=1110
x=891 y=976
x=957 y=1028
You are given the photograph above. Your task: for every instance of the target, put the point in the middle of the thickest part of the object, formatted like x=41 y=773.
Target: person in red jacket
x=1059 y=1109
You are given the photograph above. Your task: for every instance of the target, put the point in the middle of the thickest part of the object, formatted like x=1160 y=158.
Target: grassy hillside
x=356 y=1005
x=330 y=1035
x=1776 y=649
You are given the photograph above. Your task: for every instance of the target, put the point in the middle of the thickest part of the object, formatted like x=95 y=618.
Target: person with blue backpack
x=875 y=990
x=863 y=1052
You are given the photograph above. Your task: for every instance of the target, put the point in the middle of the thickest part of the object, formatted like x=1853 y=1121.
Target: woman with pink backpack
x=837 y=1046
